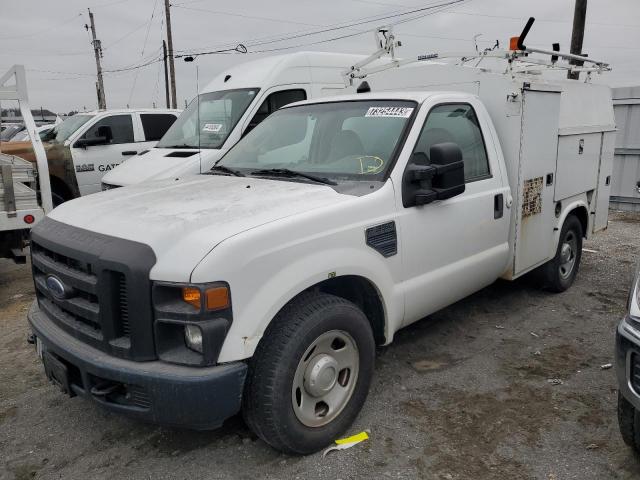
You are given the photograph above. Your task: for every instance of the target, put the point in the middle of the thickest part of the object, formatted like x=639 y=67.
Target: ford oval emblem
x=56 y=287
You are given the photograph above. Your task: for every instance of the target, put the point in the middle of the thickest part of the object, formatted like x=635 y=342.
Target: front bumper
x=627 y=358
x=199 y=398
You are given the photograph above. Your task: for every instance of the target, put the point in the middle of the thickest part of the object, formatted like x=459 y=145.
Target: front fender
x=253 y=318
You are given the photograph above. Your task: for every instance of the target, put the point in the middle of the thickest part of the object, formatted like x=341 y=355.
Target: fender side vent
x=383 y=239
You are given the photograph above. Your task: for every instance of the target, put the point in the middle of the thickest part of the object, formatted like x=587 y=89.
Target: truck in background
x=84 y=147
x=234 y=103
x=25 y=191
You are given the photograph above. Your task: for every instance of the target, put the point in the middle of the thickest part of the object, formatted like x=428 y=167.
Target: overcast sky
x=49 y=38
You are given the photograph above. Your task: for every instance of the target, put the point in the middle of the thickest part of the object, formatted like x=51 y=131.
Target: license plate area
x=57 y=372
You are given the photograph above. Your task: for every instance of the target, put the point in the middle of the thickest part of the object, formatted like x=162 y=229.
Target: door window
x=119 y=126
x=273 y=102
x=155 y=125
x=459 y=124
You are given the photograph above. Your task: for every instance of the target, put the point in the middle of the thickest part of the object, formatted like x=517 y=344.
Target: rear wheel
x=629 y=423
x=559 y=273
x=310 y=374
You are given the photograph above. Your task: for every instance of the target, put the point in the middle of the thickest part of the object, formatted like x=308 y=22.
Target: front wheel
x=559 y=273
x=310 y=374
x=629 y=423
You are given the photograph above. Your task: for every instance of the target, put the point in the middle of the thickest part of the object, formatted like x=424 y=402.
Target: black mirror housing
x=89 y=142
x=442 y=178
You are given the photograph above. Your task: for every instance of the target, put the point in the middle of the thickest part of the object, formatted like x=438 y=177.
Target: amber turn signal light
x=192 y=295
x=513 y=43
x=217 y=298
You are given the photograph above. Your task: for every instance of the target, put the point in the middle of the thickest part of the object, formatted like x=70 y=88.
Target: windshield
x=353 y=140
x=61 y=132
x=211 y=125
x=24 y=135
x=9 y=131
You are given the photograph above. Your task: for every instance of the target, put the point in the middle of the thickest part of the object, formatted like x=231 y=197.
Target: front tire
x=310 y=374
x=629 y=423
x=559 y=273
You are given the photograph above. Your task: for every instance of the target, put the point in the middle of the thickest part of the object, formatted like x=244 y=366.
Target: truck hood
x=182 y=220
x=159 y=163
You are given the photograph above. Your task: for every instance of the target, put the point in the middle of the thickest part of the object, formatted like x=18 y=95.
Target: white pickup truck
x=266 y=284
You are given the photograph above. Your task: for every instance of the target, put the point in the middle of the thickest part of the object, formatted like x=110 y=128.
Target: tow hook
x=105 y=388
x=31 y=339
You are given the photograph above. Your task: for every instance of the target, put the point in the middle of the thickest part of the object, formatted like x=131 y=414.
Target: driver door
x=456 y=246
x=92 y=162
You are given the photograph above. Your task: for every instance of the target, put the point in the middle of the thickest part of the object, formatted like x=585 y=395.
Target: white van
x=229 y=107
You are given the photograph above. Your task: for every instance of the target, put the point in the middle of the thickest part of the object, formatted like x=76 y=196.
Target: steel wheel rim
x=325 y=378
x=568 y=253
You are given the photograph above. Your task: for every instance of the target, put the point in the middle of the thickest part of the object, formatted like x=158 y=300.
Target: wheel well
x=58 y=186
x=582 y=215
x=364 y=294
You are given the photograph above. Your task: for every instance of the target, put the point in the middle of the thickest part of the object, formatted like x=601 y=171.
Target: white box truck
x=265 y=285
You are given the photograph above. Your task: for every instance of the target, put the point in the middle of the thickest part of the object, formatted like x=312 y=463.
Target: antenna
x=199 y=129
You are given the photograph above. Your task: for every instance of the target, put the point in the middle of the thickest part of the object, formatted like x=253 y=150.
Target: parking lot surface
x=506 y=384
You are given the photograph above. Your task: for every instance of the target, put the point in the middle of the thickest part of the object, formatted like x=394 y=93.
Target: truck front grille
x=84 y=282
x=78 y=309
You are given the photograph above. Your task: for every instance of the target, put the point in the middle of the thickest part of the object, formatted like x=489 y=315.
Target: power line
x=341 y=37
x=126 y=35
x=278 y=38
x=53 y=27
x=144 y=45
x=242 y=15
x=522 y=19
x=366 y=20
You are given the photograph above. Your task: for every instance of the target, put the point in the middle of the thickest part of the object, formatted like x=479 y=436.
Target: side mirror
x=442 y=178
x=104 y=135
x=106 y=132
x=89 y=142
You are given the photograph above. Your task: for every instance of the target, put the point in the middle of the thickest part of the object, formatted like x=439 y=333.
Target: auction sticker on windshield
x=212 y=127
x=402 y=112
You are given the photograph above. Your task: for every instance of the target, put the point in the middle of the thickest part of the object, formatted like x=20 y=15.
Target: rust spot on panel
x=532 y=197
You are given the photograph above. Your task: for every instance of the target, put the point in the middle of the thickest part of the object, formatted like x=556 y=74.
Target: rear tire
x=559 y=273
x=319 y=347
x=629 y=423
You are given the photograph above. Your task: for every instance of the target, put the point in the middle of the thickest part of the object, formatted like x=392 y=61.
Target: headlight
x=193 y=337
x=191 y=321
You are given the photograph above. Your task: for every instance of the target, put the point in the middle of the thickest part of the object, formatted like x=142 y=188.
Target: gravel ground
x=463 y=394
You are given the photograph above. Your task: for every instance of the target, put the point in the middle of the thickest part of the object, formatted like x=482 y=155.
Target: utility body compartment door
x=601 y=210
x=535 y=208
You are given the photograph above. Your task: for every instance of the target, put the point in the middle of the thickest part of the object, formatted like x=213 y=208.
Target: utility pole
x=166 y=73
x=172 y=68
x=97 y=49
x=577 y=35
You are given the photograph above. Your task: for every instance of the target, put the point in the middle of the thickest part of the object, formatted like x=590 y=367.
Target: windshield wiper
x=285 y=172
x=222 y=168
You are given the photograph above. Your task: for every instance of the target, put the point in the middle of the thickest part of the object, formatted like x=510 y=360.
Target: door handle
x=498 y=206
x=129 y=152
